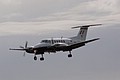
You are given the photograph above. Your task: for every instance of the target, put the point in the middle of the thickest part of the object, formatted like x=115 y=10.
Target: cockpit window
x=42 y=41
x=46 y=41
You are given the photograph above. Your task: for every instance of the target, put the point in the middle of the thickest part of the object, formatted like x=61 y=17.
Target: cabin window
x=45 y=41
x=64 y=41
x=56 y=41
x=59 y=41
x=49 y=41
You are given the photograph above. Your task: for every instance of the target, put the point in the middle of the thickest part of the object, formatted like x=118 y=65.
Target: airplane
x=53 y=45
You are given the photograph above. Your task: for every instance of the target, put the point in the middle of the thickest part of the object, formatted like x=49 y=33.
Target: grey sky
x=33 y=20
x=21 y=15
x=97 y=60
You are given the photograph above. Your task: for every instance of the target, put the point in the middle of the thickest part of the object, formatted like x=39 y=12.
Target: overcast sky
x=21 y=15
x=33 y=20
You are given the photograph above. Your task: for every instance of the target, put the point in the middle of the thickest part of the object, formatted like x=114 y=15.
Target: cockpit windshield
x=45 y=41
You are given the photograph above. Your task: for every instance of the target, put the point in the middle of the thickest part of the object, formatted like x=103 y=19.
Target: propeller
x=26 y=44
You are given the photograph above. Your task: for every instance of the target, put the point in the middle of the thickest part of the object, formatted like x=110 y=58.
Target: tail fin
x=82 y=32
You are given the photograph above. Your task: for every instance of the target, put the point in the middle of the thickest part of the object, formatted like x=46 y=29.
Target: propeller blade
x=24 y=54
x=26 y=44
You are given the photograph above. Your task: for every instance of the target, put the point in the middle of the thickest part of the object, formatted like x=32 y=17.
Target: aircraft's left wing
x=81 y=43
x=18 y=49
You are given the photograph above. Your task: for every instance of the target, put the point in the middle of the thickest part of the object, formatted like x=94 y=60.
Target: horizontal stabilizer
x=86 y=26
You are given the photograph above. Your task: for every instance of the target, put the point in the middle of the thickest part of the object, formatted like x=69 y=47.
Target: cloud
x=28 y=10
x=33 y=28
x=10 y=2
x=34 y=10
x=37 y=28
x=94 y=10
x=33 y=17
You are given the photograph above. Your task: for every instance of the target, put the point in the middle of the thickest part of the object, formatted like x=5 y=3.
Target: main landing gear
x=69 y=55
x=42 y=58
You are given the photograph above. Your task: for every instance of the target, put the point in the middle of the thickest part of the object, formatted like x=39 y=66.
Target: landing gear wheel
x=42 y=59
x=35 y=58
x=69 y=55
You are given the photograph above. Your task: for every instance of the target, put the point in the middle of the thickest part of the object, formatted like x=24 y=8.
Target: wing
x=81 y=44
x=18 y=49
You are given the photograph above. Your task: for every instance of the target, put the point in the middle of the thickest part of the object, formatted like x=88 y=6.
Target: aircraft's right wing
x=82 y=43
x=91 y=40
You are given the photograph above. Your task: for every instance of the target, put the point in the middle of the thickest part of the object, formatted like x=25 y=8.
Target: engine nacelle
x=60 y=45
x=30 y=50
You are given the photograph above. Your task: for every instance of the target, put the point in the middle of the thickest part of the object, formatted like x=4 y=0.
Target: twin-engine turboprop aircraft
x=52 y=45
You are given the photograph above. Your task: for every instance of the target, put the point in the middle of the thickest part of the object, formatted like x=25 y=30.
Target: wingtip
x=9 y=48
x=98 y=38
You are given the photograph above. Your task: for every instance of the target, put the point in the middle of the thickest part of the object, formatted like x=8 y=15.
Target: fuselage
x=54 y=44
x=53 y=41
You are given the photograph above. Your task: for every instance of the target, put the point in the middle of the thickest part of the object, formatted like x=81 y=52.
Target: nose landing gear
x=35 y=58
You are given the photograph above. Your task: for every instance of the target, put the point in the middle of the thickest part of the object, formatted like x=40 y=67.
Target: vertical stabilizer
x=82 y=32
